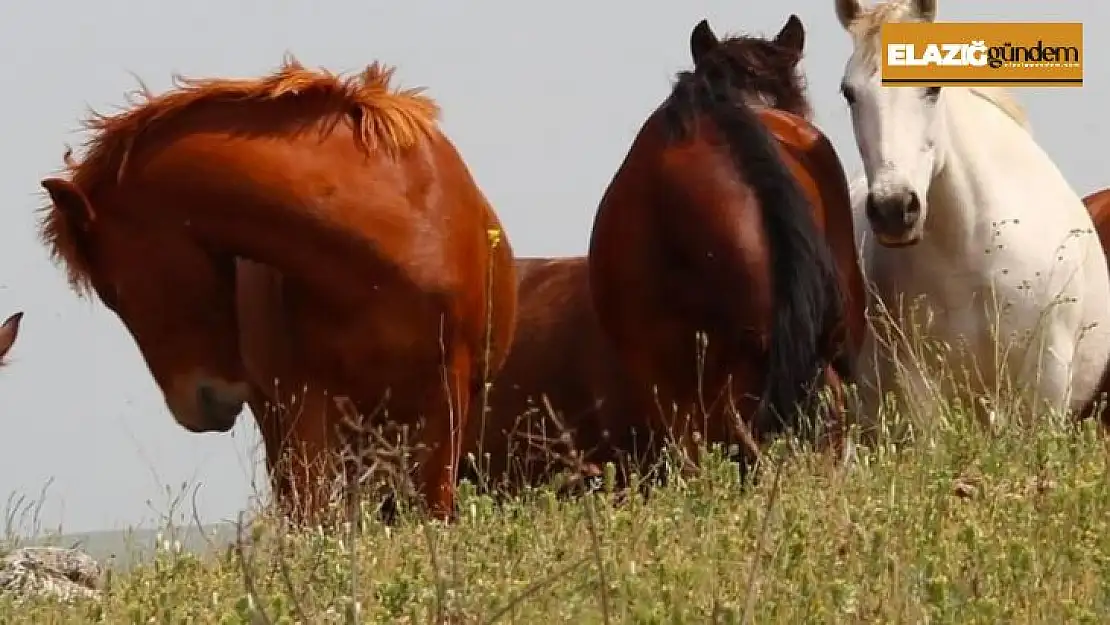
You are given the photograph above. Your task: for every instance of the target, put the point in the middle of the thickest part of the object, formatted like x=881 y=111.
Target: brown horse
x=397 y=277
x=1098 y=205
x=562 y=399
x=9 y=332
x=713 y=225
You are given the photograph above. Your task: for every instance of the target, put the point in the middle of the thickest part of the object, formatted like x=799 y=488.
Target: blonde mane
x=866 y=33
x=386 y=118
x=1006 y=102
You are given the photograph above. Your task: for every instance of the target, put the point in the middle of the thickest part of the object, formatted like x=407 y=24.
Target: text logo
x=1002 y=54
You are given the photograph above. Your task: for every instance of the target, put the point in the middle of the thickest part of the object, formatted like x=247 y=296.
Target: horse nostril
x=206 y=397
x=872 y=207
x=912 y=210
x=220 y=412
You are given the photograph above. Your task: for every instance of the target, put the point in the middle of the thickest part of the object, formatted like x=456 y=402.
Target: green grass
x=962 y=526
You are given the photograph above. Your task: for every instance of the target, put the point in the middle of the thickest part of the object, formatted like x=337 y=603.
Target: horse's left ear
x=9 y=331
x=702 y=41
x=792 y=36
x=70 y=201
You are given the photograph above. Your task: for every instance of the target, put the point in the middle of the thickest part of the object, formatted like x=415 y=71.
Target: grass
x=962 y=526
x=946 y=519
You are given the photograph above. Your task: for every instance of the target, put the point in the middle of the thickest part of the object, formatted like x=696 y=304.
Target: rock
x=965 y=489
x=56 y=572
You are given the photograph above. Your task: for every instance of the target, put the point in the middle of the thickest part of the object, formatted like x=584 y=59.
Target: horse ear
x=792 y=36
x=9 y=331
x=68 y=199
x=702 y=41
x=847 y=11
x=927 y=9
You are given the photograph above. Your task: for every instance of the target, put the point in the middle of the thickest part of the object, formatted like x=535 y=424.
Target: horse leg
x=305 y=462
x=443 y=430
x=889 y=368
x=269 y=427
x=834 y=435
x=871 y=381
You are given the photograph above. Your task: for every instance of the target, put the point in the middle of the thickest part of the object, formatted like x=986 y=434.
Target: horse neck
x=339 y=250
x=264 y=331
x=978 y=152
x=288 y=241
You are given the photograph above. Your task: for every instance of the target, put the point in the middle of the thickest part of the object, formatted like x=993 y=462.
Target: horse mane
x=385 y=118
x=866 y=30
x=1006 y=102
x=762 y=71
x=804 y=277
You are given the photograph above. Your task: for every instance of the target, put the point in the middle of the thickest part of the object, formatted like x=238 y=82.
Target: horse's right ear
x=702 y=41
x=72 y=203
x=792 y=36
x=847 y=11
x=9 y=331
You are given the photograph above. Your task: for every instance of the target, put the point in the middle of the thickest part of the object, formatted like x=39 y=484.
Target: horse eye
x=849 y=96
x=932 y=93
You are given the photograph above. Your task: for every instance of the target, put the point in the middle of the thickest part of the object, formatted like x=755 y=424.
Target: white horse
x=972 y=214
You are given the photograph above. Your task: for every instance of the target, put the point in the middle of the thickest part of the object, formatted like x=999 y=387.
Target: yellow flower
x=494 y=236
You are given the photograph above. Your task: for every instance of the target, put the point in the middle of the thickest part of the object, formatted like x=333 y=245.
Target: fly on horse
x=397 y=277
x=974 y=221
x=9 y=332
x=722 y=264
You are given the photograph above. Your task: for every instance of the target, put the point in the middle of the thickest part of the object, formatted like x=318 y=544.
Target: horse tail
x=804 y=277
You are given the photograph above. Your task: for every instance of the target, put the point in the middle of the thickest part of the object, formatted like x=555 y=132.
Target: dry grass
x=961 y=527
x=949 y=519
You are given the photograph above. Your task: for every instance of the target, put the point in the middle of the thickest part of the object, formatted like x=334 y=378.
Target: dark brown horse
x=397 y=278
x=9 y=332
x=562 y=400
x=719 y=222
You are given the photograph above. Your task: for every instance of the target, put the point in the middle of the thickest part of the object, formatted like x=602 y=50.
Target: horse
x=1098 y=205
x=562 y=400
x=559 y=402
x=396 y=272
x=721 y=262
x=975 y=222
x=9 y=332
